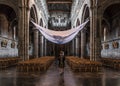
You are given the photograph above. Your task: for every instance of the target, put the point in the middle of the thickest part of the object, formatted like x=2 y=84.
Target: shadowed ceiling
x=59 y=6
x=59 y=11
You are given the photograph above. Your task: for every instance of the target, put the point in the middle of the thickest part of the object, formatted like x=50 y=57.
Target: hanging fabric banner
x=60 y=37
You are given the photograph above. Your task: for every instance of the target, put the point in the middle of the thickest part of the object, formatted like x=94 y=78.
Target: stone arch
x=8 y=15
x=109 y=4
x=85 y=34
x=33 y=17
x=84 y=14
x=111 y=14
x=105 y=30
x=11 y=5
x=41 y=40
x=33 y=13
x=14 y=26
x=77 y=40
x=111 y=18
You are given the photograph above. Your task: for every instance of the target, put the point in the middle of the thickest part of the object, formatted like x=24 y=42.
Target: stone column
x=83 y=43
x=92 y=34
x=73 y=47
x=79 y=53
x=98 y=38
x=21 y=32
x=95 y=43
x=26 y=23
x=77 y=45
x=36 y=43
x=45 y=47
x=23 y=26
x=41 y=45
x=68 y=49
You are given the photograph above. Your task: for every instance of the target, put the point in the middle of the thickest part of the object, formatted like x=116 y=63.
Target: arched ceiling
x=8 y=11
x=59 y=6
x=59 y=11
x=112 y=11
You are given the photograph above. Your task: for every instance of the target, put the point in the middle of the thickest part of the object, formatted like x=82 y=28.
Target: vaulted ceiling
x=59 y=6
x=59 y=11
x=112 y=11
x=8 y=11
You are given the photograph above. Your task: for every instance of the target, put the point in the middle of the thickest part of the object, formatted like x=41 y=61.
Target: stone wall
x=8 y=47
x=111 y=46
x=109 y=50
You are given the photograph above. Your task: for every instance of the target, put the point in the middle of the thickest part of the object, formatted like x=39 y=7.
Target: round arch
x=8 y=15
x=109 y=4
x=85 y=13
x=33 y=14
x=11 y=5
x=85 y=34
x=107 y=23
x=105 y=30
x=34 y=17
x=110 y=14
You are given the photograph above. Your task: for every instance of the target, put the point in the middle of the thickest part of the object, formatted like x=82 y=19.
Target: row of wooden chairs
x=35 y=65
x=111 y=62
x=83 y=65
x=9 y=61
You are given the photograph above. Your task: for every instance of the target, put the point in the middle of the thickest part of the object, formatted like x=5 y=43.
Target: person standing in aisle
x=61 y=61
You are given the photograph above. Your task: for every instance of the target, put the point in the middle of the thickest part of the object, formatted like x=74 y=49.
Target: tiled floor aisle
x=52 y=78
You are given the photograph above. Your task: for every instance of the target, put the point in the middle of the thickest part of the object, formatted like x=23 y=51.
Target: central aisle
x=11 y=77
x=53 y=78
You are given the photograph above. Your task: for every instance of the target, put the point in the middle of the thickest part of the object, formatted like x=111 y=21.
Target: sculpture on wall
x=13 y=45
x=115 y=44
x=4 y=43
x=106 y=46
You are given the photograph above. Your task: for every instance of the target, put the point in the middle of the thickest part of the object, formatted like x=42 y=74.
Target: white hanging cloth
x=60 y=37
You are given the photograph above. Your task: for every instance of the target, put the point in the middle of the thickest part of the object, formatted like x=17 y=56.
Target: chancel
x=33 y=33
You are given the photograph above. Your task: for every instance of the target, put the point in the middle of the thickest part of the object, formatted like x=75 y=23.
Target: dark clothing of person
x=61 y=61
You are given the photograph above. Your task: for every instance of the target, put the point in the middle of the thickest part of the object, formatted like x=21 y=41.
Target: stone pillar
x=92 y=34
x=36 y=43
x=45 y=47
x=95 y=43
x=23 y=26
x=41 y=45
x=83 y=43
x=68 y=49
x=73 y=47
x=77 y=45
x=98 y=39
x=26 y=23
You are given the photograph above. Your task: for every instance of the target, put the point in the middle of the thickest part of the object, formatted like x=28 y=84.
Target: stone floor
x=11 y=77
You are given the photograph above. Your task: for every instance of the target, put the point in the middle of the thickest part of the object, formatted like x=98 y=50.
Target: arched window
x=105 y=33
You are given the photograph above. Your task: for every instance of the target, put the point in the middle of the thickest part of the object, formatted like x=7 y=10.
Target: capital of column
x=24 y=7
